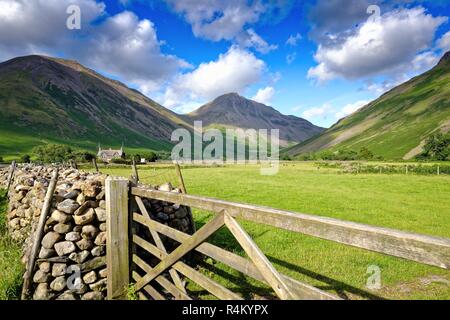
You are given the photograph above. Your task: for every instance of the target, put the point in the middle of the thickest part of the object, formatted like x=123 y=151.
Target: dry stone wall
x=72 y=257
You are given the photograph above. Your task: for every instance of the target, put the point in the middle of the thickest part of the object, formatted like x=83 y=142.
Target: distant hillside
x=395 y=125
x=45 y=99
x=232 y=110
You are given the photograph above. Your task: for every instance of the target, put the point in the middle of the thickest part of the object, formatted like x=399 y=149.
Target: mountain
x=232 y=110
x=395 y=125
x=44 y=99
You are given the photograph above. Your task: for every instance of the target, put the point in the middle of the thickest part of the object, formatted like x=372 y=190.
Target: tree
x=52 y=153
x=25 y=158
x=437 y=147
x=1 y=159
x=151 y=156
x=365 y=154
x=83 y=156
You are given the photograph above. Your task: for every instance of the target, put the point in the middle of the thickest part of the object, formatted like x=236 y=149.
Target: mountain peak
x=445 y=60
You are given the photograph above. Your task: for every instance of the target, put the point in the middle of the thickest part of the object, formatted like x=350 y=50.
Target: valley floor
x=407 y=202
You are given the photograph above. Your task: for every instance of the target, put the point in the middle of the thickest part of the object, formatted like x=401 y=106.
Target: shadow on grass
x=224 y=239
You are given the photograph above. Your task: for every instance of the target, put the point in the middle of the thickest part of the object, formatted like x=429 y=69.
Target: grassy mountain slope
x=233 y=111
x=45 y=99
x=395 y=125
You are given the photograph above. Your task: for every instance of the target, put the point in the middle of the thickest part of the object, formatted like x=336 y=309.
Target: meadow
x=412 y=203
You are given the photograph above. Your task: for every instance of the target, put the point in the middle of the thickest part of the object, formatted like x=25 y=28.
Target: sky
x=320 y=60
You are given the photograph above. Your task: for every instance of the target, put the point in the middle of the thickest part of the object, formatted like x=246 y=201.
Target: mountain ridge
x=396 y=124
x=233 y=110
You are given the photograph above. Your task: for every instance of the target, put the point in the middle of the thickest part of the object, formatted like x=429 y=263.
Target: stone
x=85 y=244
x=99 y=285
x=60 y=216
x=77 y=229
x=86 y=218
x=72 y=194
x=59 y=284
x=165 y=187
x=101 y=214
x=59 y=269
x=64 y=247
x=98 y=251
x=93 y=264
x=101 y=195
x=45 y=253
x=41 y=277
x=68 y=206
x=62 y=228
x=102 y=204
x=91 y=189
x=42 y=292
x=100 y=239
x=90 y=277
x=162 y=216
x=82 y=209
x=81 y=199
x=94 y=295
x=50 y=239
x=89 y=232
x=102 y=227
x=180 y=213
x=66 y=295
x=15 y=223
x=80 y=288
x=45 y=266
x=79 y=257
x=103 y=273
x=73 y=236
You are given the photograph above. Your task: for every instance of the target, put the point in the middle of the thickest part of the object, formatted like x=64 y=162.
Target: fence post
x=11 y=176
x=438 y=170
x=39 y=233
x=94 y=163
x=183 y=190
x=117 y=241
x=135 y=175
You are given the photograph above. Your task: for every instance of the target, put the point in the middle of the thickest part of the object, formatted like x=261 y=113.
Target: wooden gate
x=168 y=272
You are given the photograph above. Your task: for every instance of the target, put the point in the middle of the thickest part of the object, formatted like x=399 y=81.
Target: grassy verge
x=11 y=268
x=406 y=202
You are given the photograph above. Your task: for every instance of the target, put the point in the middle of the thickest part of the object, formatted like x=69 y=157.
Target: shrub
x=53 y=153
x=437 y=147
x=1 y=159
x=25 y=158
x=120 y=161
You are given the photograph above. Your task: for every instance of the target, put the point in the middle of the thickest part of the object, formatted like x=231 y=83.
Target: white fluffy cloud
x=351 y=108
x=40 y=26
x=233 y=71
x=444 y=42
x=294 y=39
x=225 y=20
x=264 y=95
x=387 y=45
x=126 y=46
x=121 y=45
x=316 y=112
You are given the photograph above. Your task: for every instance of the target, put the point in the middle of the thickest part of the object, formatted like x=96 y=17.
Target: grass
x=411 y=203
x=11 y=268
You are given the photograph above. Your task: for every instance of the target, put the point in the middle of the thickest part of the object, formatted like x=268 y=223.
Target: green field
x=413 y=203
x=11 y=268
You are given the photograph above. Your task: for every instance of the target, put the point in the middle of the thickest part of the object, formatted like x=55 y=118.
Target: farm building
x=108 y=155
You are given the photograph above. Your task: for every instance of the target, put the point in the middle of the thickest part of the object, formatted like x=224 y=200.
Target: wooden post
x=135 y=175
x=11 y=176
x=183 y=190
x=438 y=170
x=39 y=233
x=117 y=243
x=94 y=163
x=406 y=169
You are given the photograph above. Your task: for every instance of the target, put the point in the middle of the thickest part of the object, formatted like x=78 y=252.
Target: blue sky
x=184 y=53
